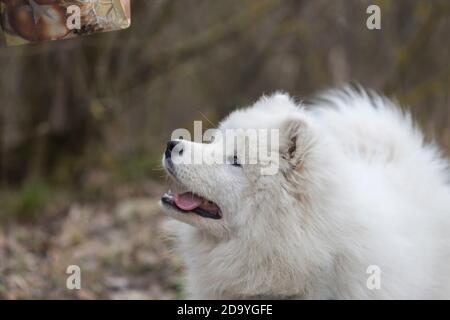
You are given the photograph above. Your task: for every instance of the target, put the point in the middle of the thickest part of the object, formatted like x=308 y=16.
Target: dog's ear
x=294 y=140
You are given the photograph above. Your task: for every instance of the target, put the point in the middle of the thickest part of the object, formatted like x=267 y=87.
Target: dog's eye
x=235 y=162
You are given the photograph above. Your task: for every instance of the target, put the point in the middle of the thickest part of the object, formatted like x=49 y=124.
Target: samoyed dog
x=357 y=208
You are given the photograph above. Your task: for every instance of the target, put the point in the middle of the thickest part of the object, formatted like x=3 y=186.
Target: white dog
x=359 y=207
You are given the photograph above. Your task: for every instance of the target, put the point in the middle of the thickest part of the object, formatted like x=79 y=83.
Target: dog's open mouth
x=189 y=202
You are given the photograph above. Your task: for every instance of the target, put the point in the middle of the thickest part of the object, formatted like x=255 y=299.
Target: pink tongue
x=187 y=201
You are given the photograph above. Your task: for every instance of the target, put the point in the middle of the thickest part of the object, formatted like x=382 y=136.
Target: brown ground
x=119 y=247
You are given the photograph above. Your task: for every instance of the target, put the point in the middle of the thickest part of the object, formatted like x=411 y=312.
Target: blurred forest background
x=83 y=122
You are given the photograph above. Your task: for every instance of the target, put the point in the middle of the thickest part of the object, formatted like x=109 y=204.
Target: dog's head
x=249 y=171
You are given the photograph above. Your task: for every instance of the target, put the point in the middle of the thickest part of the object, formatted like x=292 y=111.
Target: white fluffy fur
x=361 y=188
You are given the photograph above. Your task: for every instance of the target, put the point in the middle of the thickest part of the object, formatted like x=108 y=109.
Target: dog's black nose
x=170 y=146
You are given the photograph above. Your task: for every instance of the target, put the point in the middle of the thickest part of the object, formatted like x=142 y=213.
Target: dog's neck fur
x=252 y=264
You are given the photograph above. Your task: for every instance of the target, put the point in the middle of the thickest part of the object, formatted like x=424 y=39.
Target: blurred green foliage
x=26 y=202
x=137 y=166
